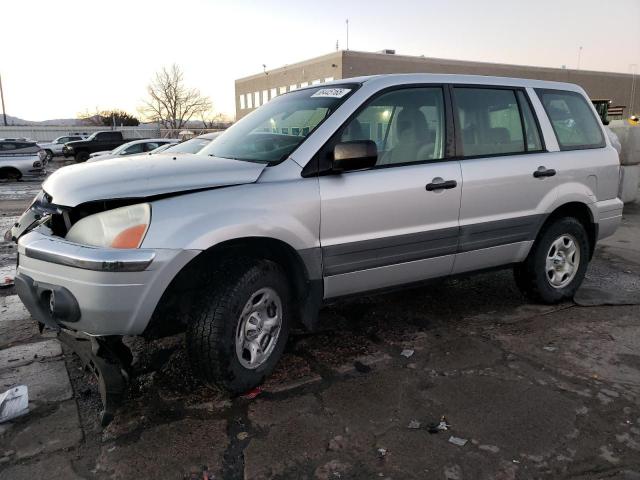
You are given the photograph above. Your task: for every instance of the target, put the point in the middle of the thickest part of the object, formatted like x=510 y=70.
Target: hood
x=141 y=176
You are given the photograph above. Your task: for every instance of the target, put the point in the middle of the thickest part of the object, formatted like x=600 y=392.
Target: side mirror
x=354 y=155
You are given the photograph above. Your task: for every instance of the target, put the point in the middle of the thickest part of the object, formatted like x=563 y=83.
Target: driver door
x=397 y=222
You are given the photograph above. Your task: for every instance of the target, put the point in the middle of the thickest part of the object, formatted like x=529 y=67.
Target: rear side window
x=489 y=121
x=531 y=132
x=573 y=121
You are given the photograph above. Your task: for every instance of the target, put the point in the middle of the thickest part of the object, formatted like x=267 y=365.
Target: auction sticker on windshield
x=331 y=92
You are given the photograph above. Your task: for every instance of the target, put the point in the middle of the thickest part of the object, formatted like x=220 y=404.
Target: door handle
x=441 y=185
x=544 y=172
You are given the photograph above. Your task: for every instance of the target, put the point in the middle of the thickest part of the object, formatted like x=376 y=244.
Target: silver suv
x=355 y=186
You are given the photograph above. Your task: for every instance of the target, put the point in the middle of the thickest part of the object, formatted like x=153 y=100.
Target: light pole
x=4 y=114
x=632 y=67
x=347 y=34
x=579 y=55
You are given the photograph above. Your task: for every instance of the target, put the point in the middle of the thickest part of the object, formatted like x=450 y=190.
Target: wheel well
x=5 y=172
x=582 y=213
x=172 y=312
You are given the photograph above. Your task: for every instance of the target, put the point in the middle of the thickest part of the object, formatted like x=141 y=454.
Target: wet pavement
x=528 y=391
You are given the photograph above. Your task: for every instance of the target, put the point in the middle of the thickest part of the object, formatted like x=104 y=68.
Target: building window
x=304 y=84
x=249 y=101
x=292 y=87
x=315 y=82
x=328 y=79
x=256 y=99
x=283 y=90
x=265 y=96
x=242 y=105
x=285 y=131
x=274 y=93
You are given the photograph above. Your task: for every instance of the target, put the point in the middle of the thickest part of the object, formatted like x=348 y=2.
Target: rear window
x=573 y=121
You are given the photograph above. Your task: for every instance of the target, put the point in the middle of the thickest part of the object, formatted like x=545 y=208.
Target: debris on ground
x=550 y=348
x=407 y=352
x=7 y=282
x=361 y=367
x=461 y=442
x=413 y=425
x=242 y=435
x=14 y=403
x=251 y=394
x=200 y=473
x=438 y=426
x=382 y=452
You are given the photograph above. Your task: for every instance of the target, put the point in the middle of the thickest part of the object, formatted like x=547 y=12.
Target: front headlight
x=118 y=228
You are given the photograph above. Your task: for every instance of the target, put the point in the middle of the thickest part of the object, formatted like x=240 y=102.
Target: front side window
x=274 y=131
x=407 y=125
x=489 y=121
x=572 y=119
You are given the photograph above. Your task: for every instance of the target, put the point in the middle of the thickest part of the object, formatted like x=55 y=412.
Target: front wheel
x=49 y=155
x=239 y=330
x=82 y=156
x=557 y=263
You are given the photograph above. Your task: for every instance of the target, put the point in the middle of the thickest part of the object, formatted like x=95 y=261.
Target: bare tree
x=170 y=102
x=216 y=120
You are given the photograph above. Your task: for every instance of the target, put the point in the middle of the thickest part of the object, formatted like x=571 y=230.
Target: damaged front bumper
x=99 y=291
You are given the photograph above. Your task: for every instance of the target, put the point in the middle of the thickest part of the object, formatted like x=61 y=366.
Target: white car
x=132 y=148
x=54 y=147
x=193 y=145
x=20 y=158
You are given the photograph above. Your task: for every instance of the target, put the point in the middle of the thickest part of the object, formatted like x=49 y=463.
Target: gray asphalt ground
x=528 y=391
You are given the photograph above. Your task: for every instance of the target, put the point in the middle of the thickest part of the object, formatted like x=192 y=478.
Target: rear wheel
x=557 y=263
x=239 y=330
x=82 y=156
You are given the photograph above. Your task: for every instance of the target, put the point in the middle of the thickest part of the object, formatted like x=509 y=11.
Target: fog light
x=37 y=164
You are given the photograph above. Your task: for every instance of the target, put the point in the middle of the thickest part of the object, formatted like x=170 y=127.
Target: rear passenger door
x=508 y=177
x=396 y=222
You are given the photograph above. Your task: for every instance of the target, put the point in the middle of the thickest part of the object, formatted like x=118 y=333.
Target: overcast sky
x=60 y=58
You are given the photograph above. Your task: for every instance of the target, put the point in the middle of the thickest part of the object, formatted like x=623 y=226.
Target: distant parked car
x=97 y=142
x=19 y=159
x=54 y=147
x=162 y=148
x=194 y=145
x=132 y=148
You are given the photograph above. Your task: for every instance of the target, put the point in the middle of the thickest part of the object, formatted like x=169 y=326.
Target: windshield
x=121 y=148
x=276 y=129
x=92 y=136
x=190 y=146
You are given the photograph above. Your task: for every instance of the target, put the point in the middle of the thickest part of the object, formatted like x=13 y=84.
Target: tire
x=82 y=157
x=49 y=156
x=214 y=332
x=551 y=273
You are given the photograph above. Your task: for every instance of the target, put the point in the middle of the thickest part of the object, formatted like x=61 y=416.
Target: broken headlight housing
x=123 y=227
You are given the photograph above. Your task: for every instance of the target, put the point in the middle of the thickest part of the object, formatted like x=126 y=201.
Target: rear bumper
x=93 y=290
x=609 y=217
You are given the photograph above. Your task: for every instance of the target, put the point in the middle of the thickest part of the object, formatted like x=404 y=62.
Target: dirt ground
x=527 y=391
